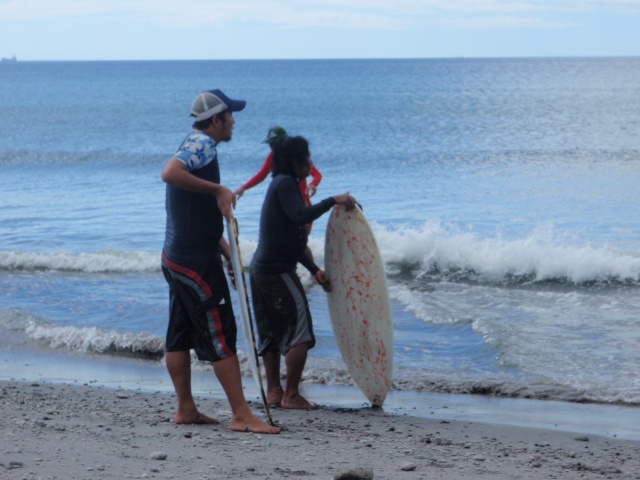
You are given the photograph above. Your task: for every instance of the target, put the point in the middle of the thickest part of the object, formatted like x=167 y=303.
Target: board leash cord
x=236 y=236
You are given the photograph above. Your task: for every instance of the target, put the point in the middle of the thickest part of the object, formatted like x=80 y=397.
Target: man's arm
x=225 y=249
x=175 y=173
x=226 y=253
x=258 y=177
x=316 y=272
x=316 y=176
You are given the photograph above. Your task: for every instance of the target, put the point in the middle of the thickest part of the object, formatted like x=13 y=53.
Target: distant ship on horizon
x=9 y=59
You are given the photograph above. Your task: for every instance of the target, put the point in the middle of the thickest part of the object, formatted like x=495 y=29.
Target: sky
x=307 y=29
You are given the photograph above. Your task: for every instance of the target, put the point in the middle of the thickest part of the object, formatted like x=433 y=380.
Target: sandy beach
x=58 y=431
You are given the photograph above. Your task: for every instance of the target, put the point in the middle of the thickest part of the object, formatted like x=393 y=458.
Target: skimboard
x=359 y=302
x=245 y=312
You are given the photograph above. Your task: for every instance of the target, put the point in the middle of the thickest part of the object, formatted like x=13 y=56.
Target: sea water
x=502 y=192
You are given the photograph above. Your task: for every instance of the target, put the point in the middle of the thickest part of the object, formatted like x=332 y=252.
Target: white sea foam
x=540 y=256
x=93 y=339
x=319 y=370
x=108 y=261
x=81 y=339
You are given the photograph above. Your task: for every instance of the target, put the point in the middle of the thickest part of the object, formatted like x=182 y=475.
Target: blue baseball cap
x=212 y=102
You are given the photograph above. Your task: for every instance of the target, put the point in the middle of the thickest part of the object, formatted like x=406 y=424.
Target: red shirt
x=266 y=169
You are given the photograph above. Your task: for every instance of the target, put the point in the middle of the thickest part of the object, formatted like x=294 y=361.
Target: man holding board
x=280 y=304
x=201 y=317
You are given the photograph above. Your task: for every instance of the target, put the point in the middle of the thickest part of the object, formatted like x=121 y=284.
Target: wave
x=108 y=261
x=440 y=254
x=508 y=387
x=81 y=339
x=36 y=332
x=431 y=252
x=331 y=372
x=93 y=340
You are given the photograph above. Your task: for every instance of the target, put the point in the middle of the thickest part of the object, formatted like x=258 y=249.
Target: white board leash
x=236 y=233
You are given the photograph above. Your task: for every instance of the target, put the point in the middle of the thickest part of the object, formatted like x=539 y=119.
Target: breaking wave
x=431 y=252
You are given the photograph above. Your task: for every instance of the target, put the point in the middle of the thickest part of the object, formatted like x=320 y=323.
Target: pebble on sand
x=360 y=473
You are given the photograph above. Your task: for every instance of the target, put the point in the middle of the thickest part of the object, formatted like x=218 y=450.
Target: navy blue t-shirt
x=194 y=221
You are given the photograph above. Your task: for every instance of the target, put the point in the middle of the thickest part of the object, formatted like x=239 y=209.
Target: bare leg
x=296 y=358
x=228 y=373
x=179 y=366
x=272 y=369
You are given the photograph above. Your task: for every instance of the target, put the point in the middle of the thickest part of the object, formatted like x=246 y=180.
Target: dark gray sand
x=51 y=431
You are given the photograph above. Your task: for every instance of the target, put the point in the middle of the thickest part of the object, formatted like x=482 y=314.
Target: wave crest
x=433 y=251
x=108 y=261
x=92 y=339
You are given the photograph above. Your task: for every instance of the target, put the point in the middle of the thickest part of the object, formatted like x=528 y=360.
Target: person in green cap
x=307 y=190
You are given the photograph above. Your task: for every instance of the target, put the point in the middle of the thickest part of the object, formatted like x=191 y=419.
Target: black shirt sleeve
x=293 y=204
x=283 y=233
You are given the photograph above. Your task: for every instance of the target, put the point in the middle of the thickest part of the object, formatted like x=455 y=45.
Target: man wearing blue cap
x=200 y=312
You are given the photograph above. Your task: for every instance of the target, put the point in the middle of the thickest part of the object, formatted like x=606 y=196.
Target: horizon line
x=15 y=59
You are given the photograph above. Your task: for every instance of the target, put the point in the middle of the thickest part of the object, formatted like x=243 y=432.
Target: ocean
x=502 y=192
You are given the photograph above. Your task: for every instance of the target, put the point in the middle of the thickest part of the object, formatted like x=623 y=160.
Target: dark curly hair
x=289 y=153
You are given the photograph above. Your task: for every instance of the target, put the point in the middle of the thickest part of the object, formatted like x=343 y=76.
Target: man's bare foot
x=297 y=402
x=252 y=424
x=274 y=397
x=197 y=419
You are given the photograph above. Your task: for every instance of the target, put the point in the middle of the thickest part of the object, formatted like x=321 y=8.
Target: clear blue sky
x=274 y=29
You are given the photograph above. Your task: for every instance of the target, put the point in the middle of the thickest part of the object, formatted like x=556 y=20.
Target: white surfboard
x=359 y=302
x=245 y=312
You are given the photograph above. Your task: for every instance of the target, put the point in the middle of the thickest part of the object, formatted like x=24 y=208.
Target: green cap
x=275 y=133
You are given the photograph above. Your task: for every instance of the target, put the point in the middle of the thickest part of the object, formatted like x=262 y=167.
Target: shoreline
x=57 y=431
x=130 y=374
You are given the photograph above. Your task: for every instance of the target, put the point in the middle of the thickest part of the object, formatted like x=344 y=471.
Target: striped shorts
x=200 y=312
x=281 y=311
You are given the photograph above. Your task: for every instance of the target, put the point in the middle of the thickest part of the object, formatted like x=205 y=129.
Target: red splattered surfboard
x=359 y=302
